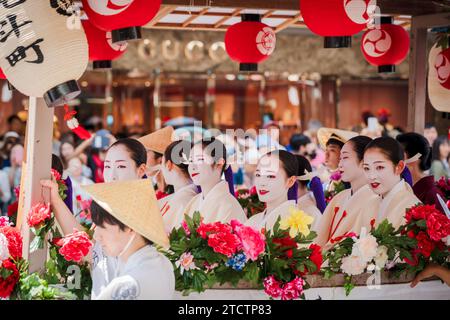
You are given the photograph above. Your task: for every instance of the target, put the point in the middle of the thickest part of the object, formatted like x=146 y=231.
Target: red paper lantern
x=336 y=20
x=101 y=48
x=123 y=17
x=386 y=46
x=442 y=67
x=250 y=42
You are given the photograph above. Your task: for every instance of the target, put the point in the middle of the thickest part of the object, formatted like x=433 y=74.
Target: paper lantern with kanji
x=101 y=48
x=385 y=46
x=439 y=78
x=124 y=18
x=337 y=20
x=249 y=42
x=39 y=55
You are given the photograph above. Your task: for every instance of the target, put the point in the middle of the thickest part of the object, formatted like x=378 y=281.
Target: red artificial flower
x=411 y=234
x=419 y=212
x=272 y=287
x=13 y=208
x=316 y=256
x=17 y=191
x=424 y=244
x=372 y=223
x=438 y=225
x=57 y=242
x=293 y=289
x=75 y=246
x=14 y=238
x=205 y=229
x=56 y=175
x=38 y=214
x=7 y=285
x=225 y=243
x=253 y=191
x=186 y=228
x=286 y=242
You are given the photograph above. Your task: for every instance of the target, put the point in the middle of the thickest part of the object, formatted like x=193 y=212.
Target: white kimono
x=218 y=205
x=343 y=214
x=307 y=203
x=147 y=275
x=172 y=207
x=103 y=270
x=393 y=206
x=267 y=220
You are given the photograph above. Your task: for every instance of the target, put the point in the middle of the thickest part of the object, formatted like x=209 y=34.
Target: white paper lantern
x=438 y=95
x=39 y=55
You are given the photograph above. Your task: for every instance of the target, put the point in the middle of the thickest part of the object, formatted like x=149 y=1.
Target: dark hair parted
x=303 y=164
x=359 y=144
x=288 y=160
x=389 y=147
x=135 y=148
x=334 y=141
x=100 y=216
x=414 y=143
x=437 y=146
x=215 y=149
x=177 y=152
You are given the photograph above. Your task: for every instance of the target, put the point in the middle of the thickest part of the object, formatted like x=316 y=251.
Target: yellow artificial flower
x=297 y=222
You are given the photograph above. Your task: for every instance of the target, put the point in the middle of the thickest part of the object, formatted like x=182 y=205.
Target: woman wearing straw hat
x=125 y=160
x=127 y=224
x=156 y=143
x=216 y=202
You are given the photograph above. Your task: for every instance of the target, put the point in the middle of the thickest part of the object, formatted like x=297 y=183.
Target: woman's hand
x=53 y=186
x=430 y=271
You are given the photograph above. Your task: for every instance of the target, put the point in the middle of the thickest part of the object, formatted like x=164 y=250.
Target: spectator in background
x=5 y=191
x=14 y=171
x=10 y=139
x=430 y=133
x=15 y=124
x=273 y=130
x=298 y=144
x=75 y=172
x=441 y=151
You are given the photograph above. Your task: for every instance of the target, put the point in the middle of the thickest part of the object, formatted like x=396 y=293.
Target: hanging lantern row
x=124 y=18
x=385 y=46
x=336 y=20
x=249 y=42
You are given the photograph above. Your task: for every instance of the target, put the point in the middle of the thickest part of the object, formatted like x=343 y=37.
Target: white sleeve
x=5 y=187
x=121 y=288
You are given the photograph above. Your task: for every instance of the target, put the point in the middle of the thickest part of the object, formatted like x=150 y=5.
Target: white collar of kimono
x=135 y=258
x=221 y=185
x=388 y=198
x=267 y=215
x=416 y=157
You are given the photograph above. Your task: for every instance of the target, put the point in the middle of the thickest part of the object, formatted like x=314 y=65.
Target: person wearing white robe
x=215 y=202
x=383 y=165
x=275 y=174
x=345 y=211
x=175 y=171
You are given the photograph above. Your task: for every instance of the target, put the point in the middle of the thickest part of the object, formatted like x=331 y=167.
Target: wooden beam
x=194 y=16
x=38 y=165
x=164 y=11
x=287 y=23
x=224 y=19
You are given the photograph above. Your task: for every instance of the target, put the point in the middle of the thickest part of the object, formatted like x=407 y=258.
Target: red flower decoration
x=38 y=214
x=225 y=243
x=418 y=212
x=56 y=175
x=272 y=287
x=75 y=246
x=13 y=208
x=316 y=256
x=205 y=229
x=7 y=285
x=14 y=241
x=438 y=225
x=424 y=244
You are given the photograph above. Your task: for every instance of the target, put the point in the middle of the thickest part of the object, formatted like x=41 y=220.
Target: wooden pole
x=37 y=167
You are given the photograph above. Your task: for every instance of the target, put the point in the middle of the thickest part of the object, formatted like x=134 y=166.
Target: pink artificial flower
x=272 y=287
x=252 y=242
x=186 y=228
x=292 y=290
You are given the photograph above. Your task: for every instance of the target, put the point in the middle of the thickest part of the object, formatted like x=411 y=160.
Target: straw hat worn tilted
x=324 y=134
x=159 y=140
x=134 y=204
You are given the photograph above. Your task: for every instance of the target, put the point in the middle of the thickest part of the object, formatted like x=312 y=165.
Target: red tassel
x=73 y=124
x=82 y=133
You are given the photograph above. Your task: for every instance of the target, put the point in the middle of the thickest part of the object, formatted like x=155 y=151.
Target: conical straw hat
x=159 y=140
x=324 y=134
x=134 y=204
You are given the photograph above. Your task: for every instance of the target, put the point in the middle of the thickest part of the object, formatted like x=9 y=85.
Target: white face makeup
x=381 y=173
x=170 y=175
x=202 y=168
x=349 y=165
x=119 y=166
x=271 y=181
